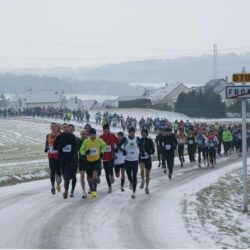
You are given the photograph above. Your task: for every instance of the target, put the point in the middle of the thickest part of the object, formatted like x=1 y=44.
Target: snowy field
x=216 y=211
x=22 y=150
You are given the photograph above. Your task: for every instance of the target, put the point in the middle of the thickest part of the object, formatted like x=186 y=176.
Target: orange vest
x=52 y=153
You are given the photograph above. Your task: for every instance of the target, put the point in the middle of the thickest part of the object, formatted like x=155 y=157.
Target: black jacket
x=66 y=145
x=146 y=145
x=168 y=144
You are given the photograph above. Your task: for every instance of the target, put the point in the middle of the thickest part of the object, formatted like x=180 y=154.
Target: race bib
x=190 y=142
x=93 y=151
x=167 y=147
x=108 y=149
x=131 y=152
x=199 y=142
x=211 y=144
x=67 y=149
x=51 y=150
x=145 y=156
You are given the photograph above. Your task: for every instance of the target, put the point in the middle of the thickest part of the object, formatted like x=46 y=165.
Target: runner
x=158 y=146
x=147 y=149
x=181 y=138
x=168 y=146
x=212 y=145
x=55 y=171
x=202 y=144
x=65 y=143
x=131 y=159
x=120 y=159
x=108 y=158
x=82 y=162
x=92 y=150
x=75 y=161
x=191 y=142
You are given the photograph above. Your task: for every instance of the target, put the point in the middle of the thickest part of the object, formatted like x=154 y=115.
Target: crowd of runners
x=122 y=156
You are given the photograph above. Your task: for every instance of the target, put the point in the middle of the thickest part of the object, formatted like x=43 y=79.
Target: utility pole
x=215 y=61
x=244 y=149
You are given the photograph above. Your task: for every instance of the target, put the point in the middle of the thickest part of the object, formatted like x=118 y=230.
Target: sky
x=90 y=33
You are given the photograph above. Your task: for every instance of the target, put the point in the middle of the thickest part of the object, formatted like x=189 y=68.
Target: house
x=219 y=87
x=32 y=99
x=89 y=104
x=168 y=94
x=73 y=103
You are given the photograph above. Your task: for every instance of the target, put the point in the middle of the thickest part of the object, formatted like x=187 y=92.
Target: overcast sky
x=50 y=33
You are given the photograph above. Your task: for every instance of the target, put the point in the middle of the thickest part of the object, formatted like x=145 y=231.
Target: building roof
x=89 y=104
x=41 y=97
x=217 y=85
x=161 y=93
x=73 y=104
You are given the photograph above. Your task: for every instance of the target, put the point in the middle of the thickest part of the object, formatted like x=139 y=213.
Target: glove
x=116 y=150
x=88 y=152
x=46 y=150
x=124 y=152
x=143 y=153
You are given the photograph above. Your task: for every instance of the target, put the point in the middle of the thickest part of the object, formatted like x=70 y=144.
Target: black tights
x=132 y=169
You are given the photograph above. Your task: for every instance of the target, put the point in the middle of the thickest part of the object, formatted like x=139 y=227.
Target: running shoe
x=65 y=195
x=93 y=194
x=84 y=195
x=58 y=188
x=53 y=190
x=122 y=189
x=133 y=196
x=146 y=190
x=71 y=194
x=142 y=184
x=110 y=190
x=130 y=186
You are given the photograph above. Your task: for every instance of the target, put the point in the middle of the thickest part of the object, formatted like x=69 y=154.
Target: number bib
x=108 y=149
x=190 y=142
x=200 y=142
x=167 y=147
x=67 y=149
x=93 y=151
x=52 y=151
x=145 y=156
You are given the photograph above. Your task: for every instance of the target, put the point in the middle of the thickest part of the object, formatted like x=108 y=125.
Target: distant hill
x=190 y=70
x=10 y=83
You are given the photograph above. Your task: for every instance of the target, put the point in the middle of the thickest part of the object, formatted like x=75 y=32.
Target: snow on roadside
x=174 y=207
x=25 y=177
x=215 y=211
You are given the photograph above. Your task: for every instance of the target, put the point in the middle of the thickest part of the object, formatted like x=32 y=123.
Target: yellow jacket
x=95 y=148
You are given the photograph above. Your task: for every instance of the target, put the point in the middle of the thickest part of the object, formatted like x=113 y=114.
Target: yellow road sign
x=241 y=77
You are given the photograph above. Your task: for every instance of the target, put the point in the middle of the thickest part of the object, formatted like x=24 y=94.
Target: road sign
x=242 y=92
x=241 y=77
x=238 y=92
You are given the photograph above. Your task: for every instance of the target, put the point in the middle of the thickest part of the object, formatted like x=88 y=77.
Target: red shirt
x=111 y=140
